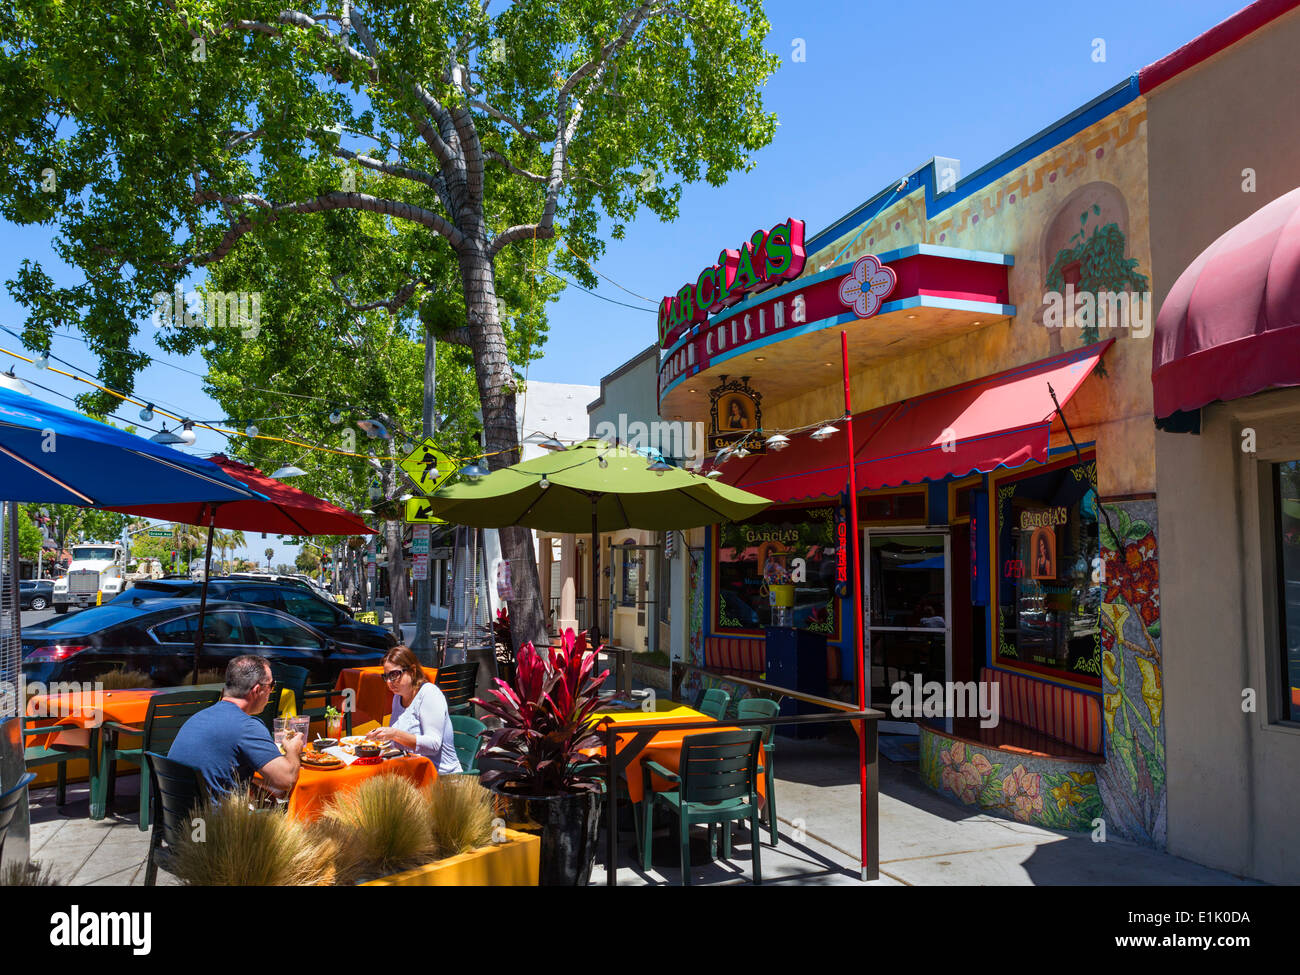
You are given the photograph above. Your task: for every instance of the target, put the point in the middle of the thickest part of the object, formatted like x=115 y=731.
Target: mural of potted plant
x=536 y=762
x=1095 y=262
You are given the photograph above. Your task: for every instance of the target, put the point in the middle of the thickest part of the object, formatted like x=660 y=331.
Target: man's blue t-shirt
x=226 y=745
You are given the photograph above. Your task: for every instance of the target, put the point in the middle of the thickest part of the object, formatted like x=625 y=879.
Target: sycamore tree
x=159 y=137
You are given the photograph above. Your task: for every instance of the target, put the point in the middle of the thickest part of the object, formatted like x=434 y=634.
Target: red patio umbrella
x=286 y=511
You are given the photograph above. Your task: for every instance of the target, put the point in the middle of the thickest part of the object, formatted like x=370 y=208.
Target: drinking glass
x=278 y=727
x=302 y=725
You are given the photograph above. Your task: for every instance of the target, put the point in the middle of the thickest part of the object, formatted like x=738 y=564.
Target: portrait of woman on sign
x=1042 y=549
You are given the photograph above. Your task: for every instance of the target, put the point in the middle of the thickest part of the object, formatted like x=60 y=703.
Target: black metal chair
x=457 y=683
x=167 y=712
x=9 y=800
x=177 y=789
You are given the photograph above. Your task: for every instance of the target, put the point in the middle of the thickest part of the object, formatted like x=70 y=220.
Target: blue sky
x=883 y=87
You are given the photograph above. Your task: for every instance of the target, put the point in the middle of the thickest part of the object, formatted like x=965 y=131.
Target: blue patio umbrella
x=51 y=455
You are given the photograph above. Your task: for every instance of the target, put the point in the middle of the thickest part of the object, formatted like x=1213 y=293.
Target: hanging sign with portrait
x=735 y=414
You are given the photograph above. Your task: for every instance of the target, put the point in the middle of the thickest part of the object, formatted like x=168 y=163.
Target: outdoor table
x=373 y=700
x=665 y=747
x=130 y=706
x=316 y=786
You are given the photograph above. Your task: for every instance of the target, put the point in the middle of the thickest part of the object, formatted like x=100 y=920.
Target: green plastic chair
x=718 y=785
x=292 y=678
x=35 y=756
x=457 y=683
x=318 y=697
x=758 y=707
x=177 y=789
x=167 y=712
x=714 y=703
x=467 y=732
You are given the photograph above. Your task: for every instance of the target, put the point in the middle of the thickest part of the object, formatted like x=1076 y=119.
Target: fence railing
x=642 y=733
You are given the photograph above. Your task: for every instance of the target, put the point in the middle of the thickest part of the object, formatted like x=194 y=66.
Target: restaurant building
x=999 y=343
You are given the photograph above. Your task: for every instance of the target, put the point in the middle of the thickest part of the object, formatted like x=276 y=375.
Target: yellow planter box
x=514 y=863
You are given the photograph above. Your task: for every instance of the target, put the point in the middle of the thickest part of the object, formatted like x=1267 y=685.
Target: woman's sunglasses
x=392 y=675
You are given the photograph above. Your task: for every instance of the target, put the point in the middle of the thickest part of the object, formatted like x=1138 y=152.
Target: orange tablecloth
x=374 y=701
x=315 y=786
x=666 y=746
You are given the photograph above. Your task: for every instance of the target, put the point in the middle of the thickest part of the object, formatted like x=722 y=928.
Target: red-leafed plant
x=546 y=722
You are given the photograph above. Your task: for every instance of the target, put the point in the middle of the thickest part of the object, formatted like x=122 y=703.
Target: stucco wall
x=1232 y=774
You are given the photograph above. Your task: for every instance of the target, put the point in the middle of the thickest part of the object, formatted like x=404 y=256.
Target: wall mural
x=696 y=584
x=1055 y=795
x=1132 y=781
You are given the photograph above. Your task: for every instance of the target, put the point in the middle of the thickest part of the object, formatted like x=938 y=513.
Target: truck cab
x=96 y=575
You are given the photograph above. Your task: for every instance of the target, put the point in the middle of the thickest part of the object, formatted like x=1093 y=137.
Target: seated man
x=227 y=744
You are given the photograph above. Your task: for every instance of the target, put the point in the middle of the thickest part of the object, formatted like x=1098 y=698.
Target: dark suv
x=330 y=618
x=35 y=593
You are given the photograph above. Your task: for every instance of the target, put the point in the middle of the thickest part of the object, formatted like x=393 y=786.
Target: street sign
x=419 y=567
x=159 y=532
x=419 y=511
x=420 y=540
x=427 y=466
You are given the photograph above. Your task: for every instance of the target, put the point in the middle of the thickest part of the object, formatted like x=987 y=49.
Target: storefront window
x=1048 y=572
x=798 y=545
x=1286 y=491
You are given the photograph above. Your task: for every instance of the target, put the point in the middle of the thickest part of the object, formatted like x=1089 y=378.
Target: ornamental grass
x=119 y=679
x=17 y=874
x=461 y=815
x=213 y=676
x=381 y=826
x=231 y=844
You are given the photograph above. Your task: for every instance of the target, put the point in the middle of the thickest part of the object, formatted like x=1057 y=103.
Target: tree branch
x=494 y=155
x=391 y=305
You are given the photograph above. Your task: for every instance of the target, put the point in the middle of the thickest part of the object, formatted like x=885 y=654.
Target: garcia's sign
x=767 y=258
x=735 y=413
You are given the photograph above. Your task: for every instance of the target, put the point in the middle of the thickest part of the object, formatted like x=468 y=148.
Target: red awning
x=1230 y=326
x=1002 y=420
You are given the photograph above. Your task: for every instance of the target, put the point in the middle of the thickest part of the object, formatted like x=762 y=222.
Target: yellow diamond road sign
x=428 y=466
x=418 y=512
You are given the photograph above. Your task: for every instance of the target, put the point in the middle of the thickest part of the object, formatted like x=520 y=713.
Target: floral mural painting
x=1093 y=261
x=695 y=630
x=1056 y=795
x=1133 y=778
x=867 y=286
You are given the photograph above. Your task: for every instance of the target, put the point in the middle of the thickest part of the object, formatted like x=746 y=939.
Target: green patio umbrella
x=597 y=487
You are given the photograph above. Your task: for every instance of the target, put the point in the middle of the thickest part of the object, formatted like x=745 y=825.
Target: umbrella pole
x=203 y=595
x=594 y=632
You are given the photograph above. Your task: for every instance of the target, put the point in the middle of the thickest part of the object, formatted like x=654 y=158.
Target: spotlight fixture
x=778 y=441
x=826 y=432
x=660 y=468
x=714 y=473
x=551 y=443
x=251 y=430
x=741 y=452
x=760 y=358
x=288 y=470
x=9 y=381
x=147 y=413
x=473 y=472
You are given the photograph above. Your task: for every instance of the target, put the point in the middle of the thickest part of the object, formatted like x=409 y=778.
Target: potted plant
x=537 y=761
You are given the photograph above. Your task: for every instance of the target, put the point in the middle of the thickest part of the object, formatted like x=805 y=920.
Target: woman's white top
x=428 y=719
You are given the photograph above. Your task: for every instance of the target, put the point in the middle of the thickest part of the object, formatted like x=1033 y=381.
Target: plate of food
x=321 y=760
x=352 y=743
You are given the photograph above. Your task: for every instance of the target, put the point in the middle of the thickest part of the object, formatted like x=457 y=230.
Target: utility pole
x=423 y=642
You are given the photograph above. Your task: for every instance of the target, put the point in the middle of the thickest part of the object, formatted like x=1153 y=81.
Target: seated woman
x=421 y=722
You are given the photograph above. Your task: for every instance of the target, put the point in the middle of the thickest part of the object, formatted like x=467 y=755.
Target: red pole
x=858 y=622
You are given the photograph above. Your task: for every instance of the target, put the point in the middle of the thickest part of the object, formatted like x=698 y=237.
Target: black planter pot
x=567 y=824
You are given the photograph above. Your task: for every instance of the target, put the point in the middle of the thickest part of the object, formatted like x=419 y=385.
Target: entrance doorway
x=908 y=607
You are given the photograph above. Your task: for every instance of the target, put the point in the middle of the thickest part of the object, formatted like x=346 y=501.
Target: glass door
x=908 y=605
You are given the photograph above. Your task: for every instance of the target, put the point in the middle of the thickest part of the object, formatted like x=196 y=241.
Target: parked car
x=156 y=636
x=35 y=593
x=325 y=615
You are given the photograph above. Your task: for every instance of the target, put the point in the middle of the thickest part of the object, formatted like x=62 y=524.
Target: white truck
x=97 y=574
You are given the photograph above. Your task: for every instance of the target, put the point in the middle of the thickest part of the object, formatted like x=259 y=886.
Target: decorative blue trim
x=924 y=177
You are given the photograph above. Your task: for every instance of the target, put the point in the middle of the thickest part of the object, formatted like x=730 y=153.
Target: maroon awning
x=1230 y=326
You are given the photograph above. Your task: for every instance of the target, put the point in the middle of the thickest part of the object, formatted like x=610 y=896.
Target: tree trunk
x=496 y=388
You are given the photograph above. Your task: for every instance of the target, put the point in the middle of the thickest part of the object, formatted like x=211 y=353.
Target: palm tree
x=235 y=540
x=185 y=538
x=269 y=552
